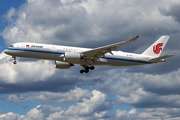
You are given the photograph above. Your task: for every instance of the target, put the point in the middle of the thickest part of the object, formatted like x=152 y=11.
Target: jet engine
x=72 y=57
x=63 y=65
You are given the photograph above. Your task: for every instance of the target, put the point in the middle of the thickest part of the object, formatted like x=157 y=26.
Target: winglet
x=138 y=35
x=134 y=38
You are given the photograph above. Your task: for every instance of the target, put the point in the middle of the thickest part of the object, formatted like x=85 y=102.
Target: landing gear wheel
x=87 y=70
x=82 y=71
x=92 y=67
x=14 y=62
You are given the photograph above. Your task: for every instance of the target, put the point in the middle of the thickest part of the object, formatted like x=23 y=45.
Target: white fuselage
x=53 y=52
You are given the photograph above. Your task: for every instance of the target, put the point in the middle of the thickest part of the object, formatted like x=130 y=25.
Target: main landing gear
x=14 y=62
x=86 y=69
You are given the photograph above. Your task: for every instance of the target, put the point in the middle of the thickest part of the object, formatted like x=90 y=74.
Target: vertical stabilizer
x=157 y=47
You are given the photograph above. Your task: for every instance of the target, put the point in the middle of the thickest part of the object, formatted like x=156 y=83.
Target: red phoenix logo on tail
x=157 y=48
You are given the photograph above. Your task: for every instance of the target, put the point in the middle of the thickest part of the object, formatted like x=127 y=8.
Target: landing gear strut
x=86 y=69
x=14 y=62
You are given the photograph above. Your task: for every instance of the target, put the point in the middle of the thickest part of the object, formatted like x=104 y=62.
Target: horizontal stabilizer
x=160 y=59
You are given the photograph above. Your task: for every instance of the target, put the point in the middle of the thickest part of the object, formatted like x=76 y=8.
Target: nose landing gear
x=14 y=62
x=86 y=69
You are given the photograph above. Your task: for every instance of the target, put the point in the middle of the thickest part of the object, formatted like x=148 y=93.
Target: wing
x=101 y=51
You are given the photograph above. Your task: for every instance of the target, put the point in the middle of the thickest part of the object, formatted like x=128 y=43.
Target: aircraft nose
x=6 y=51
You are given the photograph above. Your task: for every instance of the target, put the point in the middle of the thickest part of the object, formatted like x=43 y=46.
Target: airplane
x=66 y=56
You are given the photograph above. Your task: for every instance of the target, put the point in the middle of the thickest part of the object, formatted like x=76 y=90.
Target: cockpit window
x=11 y=46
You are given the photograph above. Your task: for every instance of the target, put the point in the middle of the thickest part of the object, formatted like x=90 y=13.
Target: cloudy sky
x=34 y=89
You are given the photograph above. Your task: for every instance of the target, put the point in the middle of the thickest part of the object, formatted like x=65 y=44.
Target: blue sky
x=34 y=89
x=4 y=7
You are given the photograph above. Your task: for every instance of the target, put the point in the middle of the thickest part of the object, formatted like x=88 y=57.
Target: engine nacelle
x=72 y=57
x=63 y=65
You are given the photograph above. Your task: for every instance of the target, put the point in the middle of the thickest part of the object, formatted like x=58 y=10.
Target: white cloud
x=43 y=112
x=10 y=14
x=93 y=107
x=72 y=96
x=150 y=113
x=85 y=21
x=101 y=114
x=35 y=114
x=12 y=116
x=143 y=90
x=89 y=105
x=30 y=71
